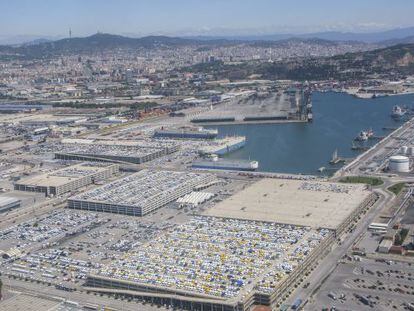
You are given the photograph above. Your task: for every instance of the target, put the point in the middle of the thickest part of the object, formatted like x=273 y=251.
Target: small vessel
x=362 y=136
x=334 y=158
x=365 y=135
x=398 y=112
x=321 y=169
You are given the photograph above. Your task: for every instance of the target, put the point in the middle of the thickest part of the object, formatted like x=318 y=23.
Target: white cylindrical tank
x=410 y=151
x=400 y=164
x=404 y=150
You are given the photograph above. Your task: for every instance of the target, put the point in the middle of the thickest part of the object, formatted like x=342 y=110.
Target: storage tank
x=404 y=150
x=399 y=164
x=410 y=151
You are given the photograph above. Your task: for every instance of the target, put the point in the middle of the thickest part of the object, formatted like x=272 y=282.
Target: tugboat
x=365 y=135
x=362 y=136
x=398 y=112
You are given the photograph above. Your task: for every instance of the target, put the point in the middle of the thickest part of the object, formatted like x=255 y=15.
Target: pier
x=337 y=159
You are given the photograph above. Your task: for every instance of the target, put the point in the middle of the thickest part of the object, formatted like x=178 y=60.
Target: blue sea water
x=304 y=147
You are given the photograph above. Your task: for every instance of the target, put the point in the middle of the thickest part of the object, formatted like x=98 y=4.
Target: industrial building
x=49 y=119
x=8 y=203
x=221 y=261
x=140 y=193
x=304 y=203
x=67 y=179
x=136 y=152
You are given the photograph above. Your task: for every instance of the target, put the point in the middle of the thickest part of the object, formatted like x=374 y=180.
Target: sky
x=191 y=17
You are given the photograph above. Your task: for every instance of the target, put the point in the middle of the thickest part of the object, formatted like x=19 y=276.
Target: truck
x=296 y=304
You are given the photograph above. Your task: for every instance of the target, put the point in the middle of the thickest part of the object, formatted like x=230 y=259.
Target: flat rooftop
x=121 y=148
x=304 y=203
x=40 y=118
x=26 y=302
x=144 y=187
x=65 y=175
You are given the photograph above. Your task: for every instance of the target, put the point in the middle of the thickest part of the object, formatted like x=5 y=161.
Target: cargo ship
x=226 y=164
x=223 y=146
x=187 y=132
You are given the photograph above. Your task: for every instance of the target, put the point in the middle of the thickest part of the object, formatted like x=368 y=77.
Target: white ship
x=225 y=164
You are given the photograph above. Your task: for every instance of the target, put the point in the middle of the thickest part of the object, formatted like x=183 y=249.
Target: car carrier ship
x=217 y=163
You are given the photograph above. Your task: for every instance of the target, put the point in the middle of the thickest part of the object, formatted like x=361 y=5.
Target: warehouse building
x=304 y=203
x=8 y=203
x=258 y=244
x=140 y=193
x=136 y=152
x=67 y=179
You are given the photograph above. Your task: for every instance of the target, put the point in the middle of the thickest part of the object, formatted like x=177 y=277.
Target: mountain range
x=101 y=41
x=367 y=37
x=392 y=35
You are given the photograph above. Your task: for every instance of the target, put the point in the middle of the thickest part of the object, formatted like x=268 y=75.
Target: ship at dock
x=186 y=132
x=223 y=146
x=217 y=163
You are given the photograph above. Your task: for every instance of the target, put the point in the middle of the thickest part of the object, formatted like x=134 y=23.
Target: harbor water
x=302 y=148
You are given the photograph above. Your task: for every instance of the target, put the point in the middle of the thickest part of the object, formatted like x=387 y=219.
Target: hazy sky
x=141 y=17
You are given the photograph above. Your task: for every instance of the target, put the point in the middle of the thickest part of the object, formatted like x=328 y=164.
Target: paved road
x=80 y=297
x=329 y=263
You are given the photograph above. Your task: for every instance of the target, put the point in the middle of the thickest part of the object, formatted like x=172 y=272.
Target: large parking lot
x=366 y=284
x=217 y=257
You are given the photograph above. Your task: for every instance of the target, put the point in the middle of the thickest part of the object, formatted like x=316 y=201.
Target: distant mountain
x=36 y=41
x=24 y=39
x=367 y=37
x=91 y=44
x=406 y=40
x=100 y=42
x=372 y=37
